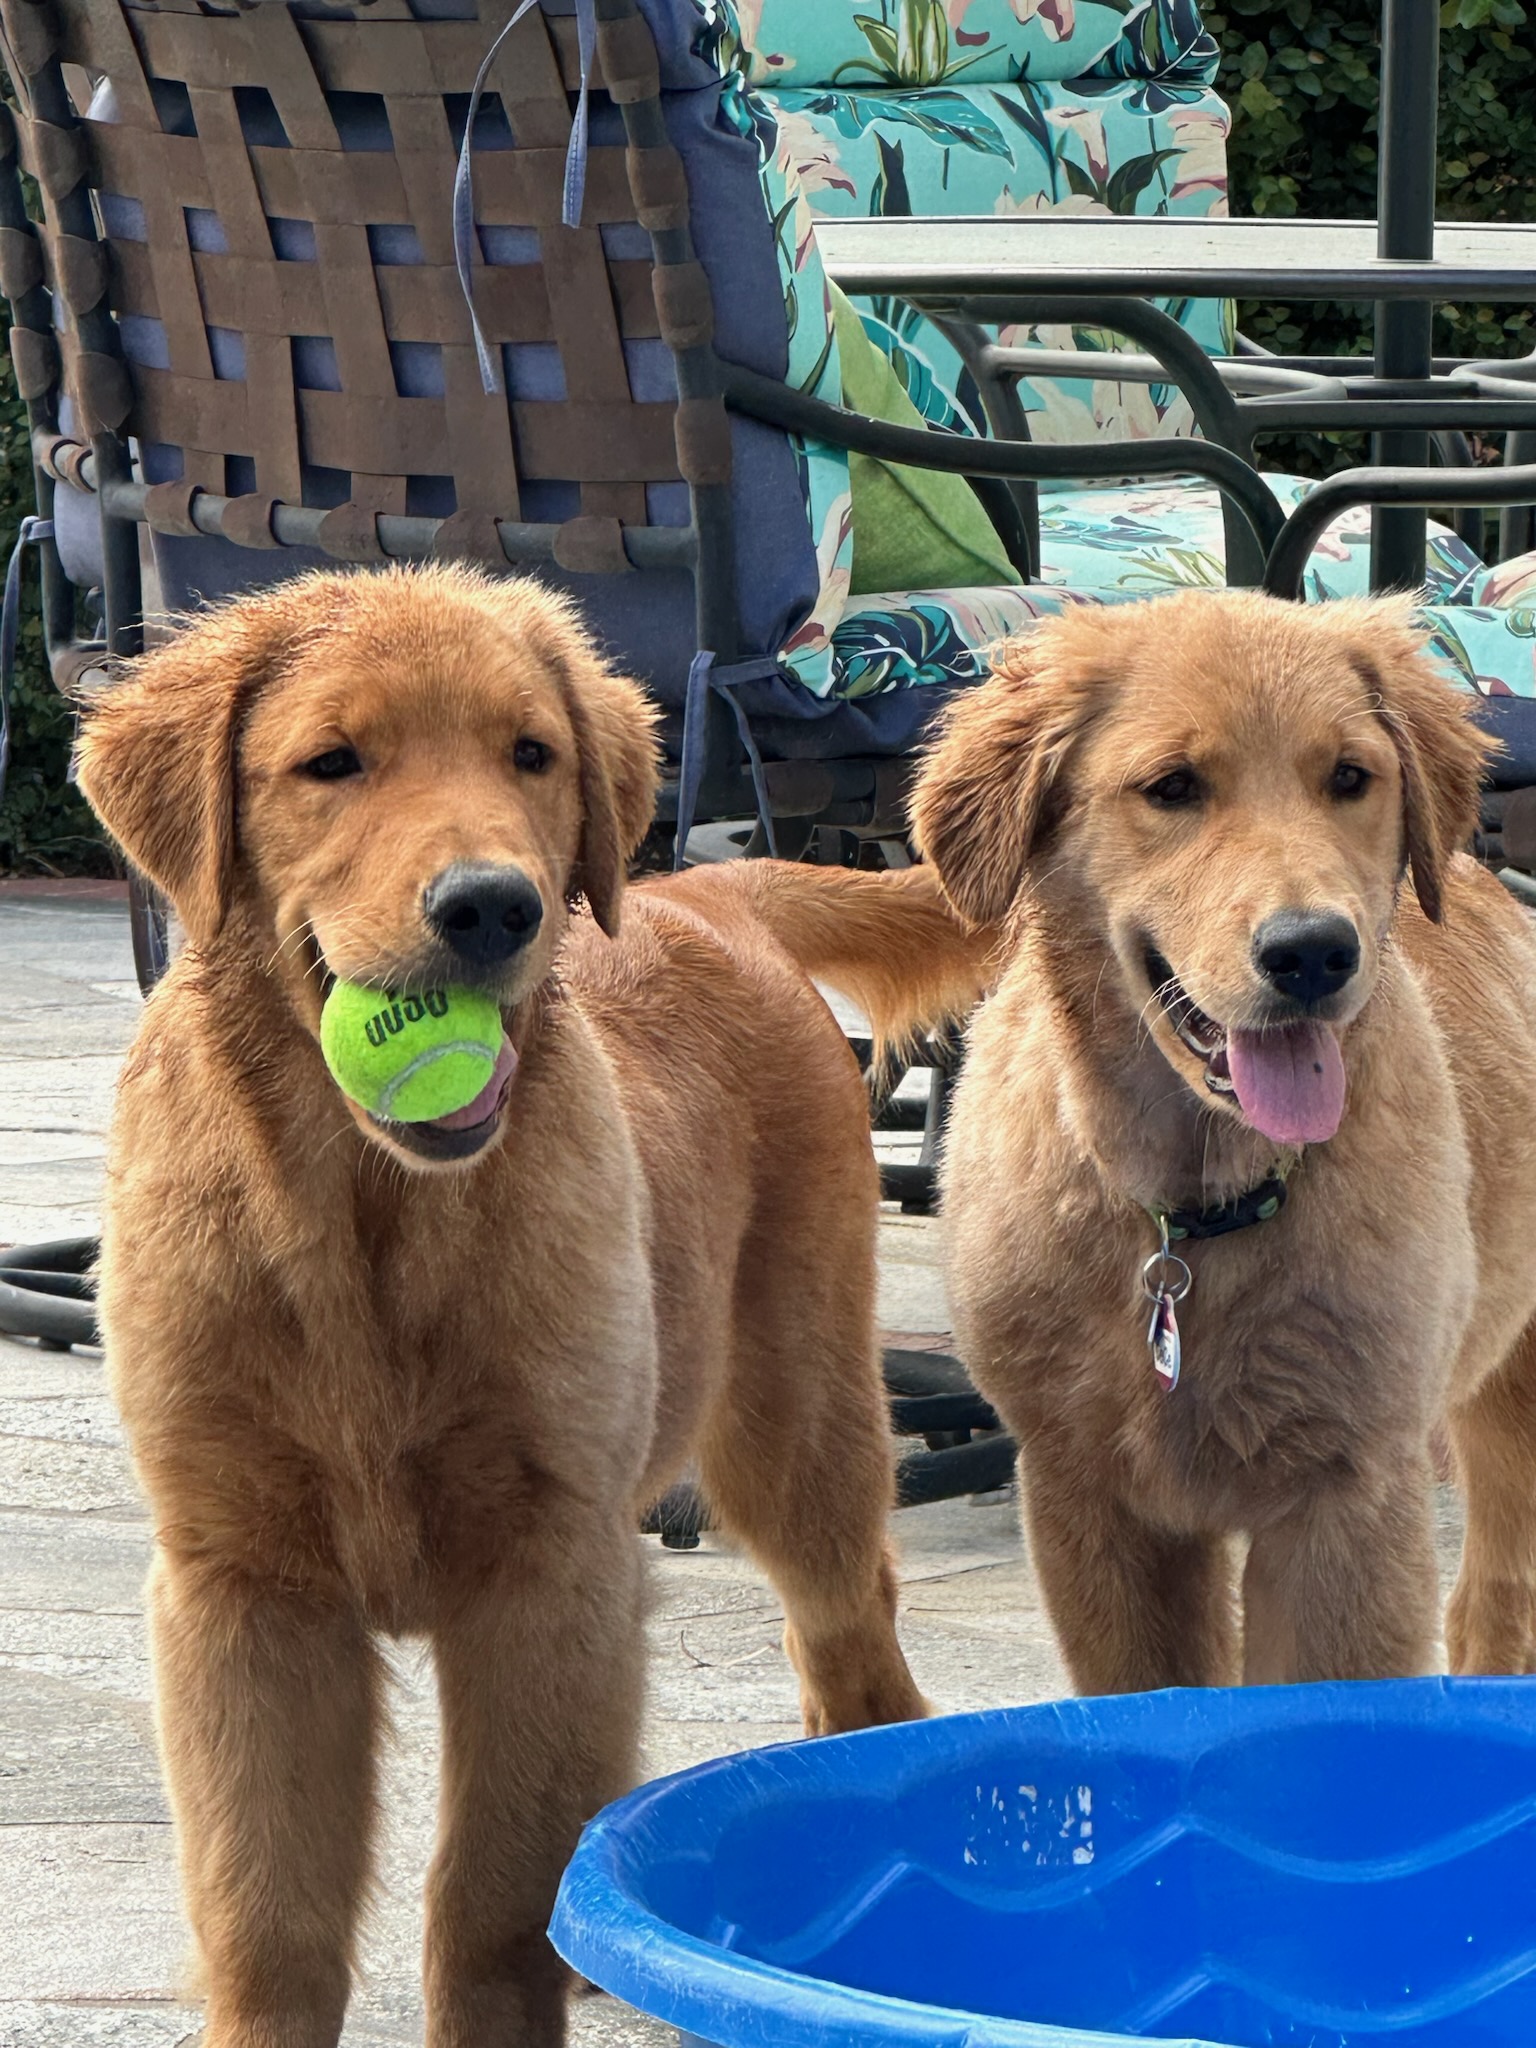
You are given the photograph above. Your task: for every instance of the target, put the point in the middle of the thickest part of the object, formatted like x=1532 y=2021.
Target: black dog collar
x=1257 y=1205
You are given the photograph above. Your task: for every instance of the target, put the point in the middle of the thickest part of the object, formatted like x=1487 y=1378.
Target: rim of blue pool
x=1324 y=1866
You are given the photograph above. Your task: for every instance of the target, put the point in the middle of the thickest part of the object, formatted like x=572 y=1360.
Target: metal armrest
x=1244 y=377
x=1426 y=488
x=1183 y=361
x=1260 y=518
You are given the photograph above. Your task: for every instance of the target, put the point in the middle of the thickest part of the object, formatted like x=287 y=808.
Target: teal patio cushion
x=1143 y=539
x=1084 y=146
x=923 y=43
x=1117 y=544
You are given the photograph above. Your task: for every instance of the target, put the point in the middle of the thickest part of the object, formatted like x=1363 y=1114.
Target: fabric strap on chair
x=704 y=676
x=463 y=178
x=31 y=531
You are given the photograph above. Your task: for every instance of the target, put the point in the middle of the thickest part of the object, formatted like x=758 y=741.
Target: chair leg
x=148 y=917
x=1517 y=523
x=678 y=1517
x=914 y=1183
x=122 y=589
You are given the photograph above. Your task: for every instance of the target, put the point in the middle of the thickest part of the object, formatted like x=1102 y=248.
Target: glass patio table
x=955 y=262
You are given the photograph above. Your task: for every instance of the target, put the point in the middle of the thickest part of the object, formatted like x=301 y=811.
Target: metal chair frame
x=51 y=143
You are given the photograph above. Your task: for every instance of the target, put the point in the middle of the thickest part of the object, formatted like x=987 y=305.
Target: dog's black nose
x=1307 y=955
x=486 y=914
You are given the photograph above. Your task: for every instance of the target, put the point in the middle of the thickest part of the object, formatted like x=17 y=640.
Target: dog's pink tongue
x=1290 y=1083
x=490 y=1095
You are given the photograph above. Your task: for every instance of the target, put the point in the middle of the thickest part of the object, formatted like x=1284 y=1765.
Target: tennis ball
x=412 y=1058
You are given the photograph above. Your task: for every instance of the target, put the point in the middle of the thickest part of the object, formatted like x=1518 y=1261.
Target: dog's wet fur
x=383 y=1378
x=1220 y=828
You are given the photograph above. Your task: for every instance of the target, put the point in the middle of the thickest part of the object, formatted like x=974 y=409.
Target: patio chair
x=977 y=120
x=239 y=330
x=240 y=326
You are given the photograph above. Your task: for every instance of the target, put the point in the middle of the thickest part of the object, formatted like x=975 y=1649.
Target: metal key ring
x=1166 y=1287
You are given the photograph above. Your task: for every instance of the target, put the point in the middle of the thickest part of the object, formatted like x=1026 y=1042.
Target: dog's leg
x=811 y=1507
x=1490 y=1625
x=1134 y=1607
x=796 y=1463
x=268 y=1709
x=1344 y=1586
x=539 y=1670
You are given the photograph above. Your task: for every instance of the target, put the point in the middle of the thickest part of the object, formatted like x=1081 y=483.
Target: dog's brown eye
x=1169 y=791
x=532 y=755
x=1349 y=779
x=334 y=765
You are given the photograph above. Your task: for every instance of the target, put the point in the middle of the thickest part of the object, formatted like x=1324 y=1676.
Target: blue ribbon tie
x=463 y=178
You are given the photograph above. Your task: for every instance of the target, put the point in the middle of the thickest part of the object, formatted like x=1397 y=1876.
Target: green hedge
x=1301 y=78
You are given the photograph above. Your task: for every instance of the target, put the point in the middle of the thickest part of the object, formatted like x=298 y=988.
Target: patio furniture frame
x=54 y=146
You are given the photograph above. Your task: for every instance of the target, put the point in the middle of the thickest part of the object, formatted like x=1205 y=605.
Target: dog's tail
x=888 y=941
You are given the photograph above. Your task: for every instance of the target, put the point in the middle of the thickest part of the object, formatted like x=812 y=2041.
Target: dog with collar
x=1241 y=1173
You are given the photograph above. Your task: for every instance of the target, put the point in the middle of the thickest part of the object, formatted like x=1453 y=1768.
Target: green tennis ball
x=411 y=1058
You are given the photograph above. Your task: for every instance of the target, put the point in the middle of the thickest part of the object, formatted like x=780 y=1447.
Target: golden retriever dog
x=387 y=1378
x=1221 y=1005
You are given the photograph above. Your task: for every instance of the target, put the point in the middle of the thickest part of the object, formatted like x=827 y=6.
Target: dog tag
x=1163 y=1336
x=1165 y=1279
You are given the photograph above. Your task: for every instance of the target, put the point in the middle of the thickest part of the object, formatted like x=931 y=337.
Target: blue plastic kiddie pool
x=1297 y=1867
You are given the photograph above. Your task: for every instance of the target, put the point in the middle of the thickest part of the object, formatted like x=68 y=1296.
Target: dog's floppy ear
x=614 y=723
x=156 y=756
x=983 y=796
x=1440 y=753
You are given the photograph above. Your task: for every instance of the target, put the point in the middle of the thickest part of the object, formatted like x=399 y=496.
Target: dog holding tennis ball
x=458 y=1197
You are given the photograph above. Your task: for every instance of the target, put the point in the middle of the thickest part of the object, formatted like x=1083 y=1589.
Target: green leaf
x=1134 y=176
x=1024 y=112
x=949 y=117
x=880 y=37
x=1257 y=99
x=888 y=195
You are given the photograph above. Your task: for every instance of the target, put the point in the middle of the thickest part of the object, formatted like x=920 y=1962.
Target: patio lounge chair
x=241 y=324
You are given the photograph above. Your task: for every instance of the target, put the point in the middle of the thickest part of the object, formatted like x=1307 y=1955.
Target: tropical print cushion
x=1144 y=539
x=1096 y=146
x=1088 y=146
x=1121 y=543
x=1489 y=638
x=1485 y=649
x=930 y=42
x=1020 y=106
x=1510 y=586
x=938 y=639
x=915 y=639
